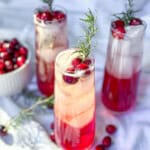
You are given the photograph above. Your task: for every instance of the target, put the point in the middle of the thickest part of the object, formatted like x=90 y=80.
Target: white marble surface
x=134 y=126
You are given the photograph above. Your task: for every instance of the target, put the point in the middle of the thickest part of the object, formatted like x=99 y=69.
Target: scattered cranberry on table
x=52 y=137
x=12 y=55
x=111 y=129
x=2 y=131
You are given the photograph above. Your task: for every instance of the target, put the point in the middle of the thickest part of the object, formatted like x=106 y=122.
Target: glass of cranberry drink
x=51 y=38
x=75 y=93
x=74 y=101
x=123 y=63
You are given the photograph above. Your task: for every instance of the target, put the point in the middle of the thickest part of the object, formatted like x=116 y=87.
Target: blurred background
x=16 y=20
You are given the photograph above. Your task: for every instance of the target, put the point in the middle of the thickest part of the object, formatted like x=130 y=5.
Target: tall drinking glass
x=74 y=102
x=123 y=67
x=51 y=38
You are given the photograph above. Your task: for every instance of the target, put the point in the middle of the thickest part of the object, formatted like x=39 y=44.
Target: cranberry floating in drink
x=51 y=38
x=123 y=63
x=75 y=94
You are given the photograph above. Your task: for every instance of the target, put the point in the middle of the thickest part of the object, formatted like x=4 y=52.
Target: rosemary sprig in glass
x=128 y=14
x=49 y=2
x=84 y=45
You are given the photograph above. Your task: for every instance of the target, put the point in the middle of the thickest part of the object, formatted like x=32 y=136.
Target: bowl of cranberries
x=15 y=67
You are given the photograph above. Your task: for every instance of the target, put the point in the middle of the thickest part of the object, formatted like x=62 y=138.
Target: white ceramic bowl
x=13 y=82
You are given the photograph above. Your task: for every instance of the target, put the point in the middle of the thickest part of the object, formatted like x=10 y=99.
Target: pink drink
x=123 y=67
x=74 y=104
x=51 y=38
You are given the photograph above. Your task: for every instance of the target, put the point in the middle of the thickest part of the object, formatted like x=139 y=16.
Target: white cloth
x=134 y=126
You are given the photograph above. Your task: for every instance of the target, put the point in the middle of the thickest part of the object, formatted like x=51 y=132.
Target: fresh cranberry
x=1 y=45
x=23 y=51
x=38 y=15
x=70 y=70
x=76 y=61
x=111 y=129
x=21 y=60
x=82 y=66
x=100 y=147
x=135 y=21
x=58 y=15
x=107 y=141
x=9 y=65
x=2 y=131
x=52 y=126
x=52 y=137
x=2 y=71
x=69 y=79
x=118 y=23
x=5 y=55
x=118 y=32
x=46 y=16
x=87 y=61
x=2 y=64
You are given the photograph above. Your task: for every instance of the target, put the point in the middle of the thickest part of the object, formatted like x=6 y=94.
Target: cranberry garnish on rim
x=58 y=15
x=76 y=61
x=46 y=16
x=82 y=66
x=107 y=141
x=118 y=23
x=87 y=61
x=68 y=78
x=111 y=129
x=100 y=147
x=135 y=21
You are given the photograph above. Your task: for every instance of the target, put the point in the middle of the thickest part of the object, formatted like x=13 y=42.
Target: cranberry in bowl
x=15 y=67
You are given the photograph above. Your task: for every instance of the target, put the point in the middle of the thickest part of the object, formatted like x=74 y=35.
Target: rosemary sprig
x=27 y=113
x=128 y=14
x=49 y=2
x=84 y=45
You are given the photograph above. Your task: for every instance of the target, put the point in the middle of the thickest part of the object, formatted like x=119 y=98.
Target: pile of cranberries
x=118 y=27
x=47 y=15
x=12 y=55
x=77 y=64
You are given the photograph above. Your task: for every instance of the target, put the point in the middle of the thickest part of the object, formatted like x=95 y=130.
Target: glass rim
x=47 y=23
x=78 y=73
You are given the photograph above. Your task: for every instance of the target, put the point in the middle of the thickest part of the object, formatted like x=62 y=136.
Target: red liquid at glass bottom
x=45 y=80
x=71 y=138
x=119 y=94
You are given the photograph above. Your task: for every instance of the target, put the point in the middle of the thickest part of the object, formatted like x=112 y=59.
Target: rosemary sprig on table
x=84 y=45
x=27 y=113
x=128 y=14
x=49 y=2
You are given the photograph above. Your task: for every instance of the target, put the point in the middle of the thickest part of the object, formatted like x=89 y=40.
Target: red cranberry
x=2 y=64
x=135 y=21
x=82 y=66
x=58 y=15
x=2 y=131
x=118 y=32
x=2 y=71
x=4 y=55
x=23 y=51
x=118 y=23
x=38 y=15
x=52 y=126
x=107 y=141
x=87 y=61
x=1 y=45
x=76 y=61
x=46 y=16
x=52 y=137
x=100 y=147
x=21 y=60
x=9 y=65
x=111 y=129
x=70 y=80
x=13 y=43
